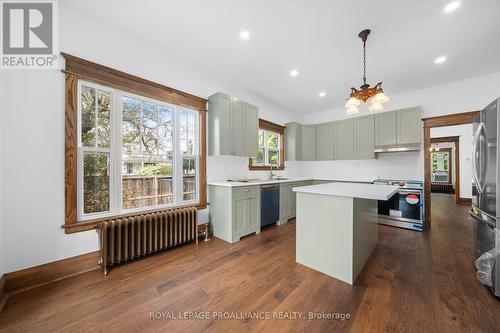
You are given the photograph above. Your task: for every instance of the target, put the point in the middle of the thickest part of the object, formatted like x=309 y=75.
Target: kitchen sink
x=256 y=180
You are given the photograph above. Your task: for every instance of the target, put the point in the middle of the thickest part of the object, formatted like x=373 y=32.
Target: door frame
x=439 y=121
x=456 y=168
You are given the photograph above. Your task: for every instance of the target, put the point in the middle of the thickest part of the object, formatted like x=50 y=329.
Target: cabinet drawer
x=246 y=191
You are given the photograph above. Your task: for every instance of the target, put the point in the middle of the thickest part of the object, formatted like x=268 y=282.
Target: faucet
x=271 y=174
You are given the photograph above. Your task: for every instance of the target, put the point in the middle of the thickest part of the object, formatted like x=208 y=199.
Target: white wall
x=33 y=126
x=2 y=110
x=462 y=96
x=465 y=162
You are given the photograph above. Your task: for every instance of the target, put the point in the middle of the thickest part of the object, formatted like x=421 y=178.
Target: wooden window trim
x=273 y=127
x=76 y=69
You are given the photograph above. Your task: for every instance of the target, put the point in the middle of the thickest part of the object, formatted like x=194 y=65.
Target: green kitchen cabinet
x=293 y=142
x=220 y=124
x=233 y=126
x=251 y=130
x=288 y=199
x=386 y=128
x=364 y=137
x=239 y=121
x=325 y=141
x=409 y=125
x=234 y=211
x=398 y=127
x=344 y=139
x=308 y=142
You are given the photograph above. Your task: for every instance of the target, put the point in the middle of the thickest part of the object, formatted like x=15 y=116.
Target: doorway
x=435 y=123
x=445 y=159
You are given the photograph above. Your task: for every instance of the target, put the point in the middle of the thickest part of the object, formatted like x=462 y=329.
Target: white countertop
x=351 y=190
x=288 y=180
x=257 y=182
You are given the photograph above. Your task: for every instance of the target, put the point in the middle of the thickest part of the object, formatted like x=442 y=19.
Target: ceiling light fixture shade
x=365 y=92
x=352 y=110
x=380 y=98
x=375 y=107
x=352 y=102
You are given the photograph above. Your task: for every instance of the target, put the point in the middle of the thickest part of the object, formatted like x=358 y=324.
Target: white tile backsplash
x=401 y=165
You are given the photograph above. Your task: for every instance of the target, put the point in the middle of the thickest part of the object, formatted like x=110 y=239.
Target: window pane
x=259 y=159
x=188 y=178
x=273 y=156
x=87 y=98
x=146 y=184
x=147 y=161
x=131 y=126
x=95 y=182
x=189 y=119
x=149 y=128
x=261 y=138
x=103 y=117
x=165 y=131
x=272 y=140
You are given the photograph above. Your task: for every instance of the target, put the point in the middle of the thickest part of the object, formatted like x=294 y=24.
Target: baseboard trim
x=3 y=293
x=57 y=270
x=465 y=201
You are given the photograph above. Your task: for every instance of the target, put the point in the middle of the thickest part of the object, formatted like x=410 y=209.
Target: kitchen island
x=337 y=226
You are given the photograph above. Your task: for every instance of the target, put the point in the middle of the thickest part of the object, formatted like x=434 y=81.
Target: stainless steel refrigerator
x=485 y=206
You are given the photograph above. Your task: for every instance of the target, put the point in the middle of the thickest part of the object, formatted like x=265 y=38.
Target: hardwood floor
x=413 y=282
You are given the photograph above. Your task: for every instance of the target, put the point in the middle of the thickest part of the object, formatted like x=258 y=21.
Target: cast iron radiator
x=125 y=239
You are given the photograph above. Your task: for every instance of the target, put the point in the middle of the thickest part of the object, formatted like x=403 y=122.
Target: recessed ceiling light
x=244 y=34
x=440 y=60
x=322 y=94
x=294 y=72
x=451 y=6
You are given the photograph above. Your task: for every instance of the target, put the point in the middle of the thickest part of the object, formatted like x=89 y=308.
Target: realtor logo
x=28 y=35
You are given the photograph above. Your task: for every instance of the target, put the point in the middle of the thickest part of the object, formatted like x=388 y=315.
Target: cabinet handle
x=247 y=190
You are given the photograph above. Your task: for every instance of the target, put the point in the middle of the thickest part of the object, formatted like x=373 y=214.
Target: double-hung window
x=270 y=150
x=134 y=153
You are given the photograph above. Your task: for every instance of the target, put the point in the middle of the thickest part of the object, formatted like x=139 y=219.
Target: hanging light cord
x=364 y=62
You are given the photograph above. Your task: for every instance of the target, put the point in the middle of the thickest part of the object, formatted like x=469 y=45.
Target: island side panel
x=325 y=234
x=365 y=232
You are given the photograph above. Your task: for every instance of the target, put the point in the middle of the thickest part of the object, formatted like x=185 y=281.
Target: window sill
x=264 y=167
x=92 y=224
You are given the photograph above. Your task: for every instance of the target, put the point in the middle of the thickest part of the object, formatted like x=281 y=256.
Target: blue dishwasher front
x=269 y=204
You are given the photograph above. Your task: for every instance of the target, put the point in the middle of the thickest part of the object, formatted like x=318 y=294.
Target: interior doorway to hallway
x=445 y=129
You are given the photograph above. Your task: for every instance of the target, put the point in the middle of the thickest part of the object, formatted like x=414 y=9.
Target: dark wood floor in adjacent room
x=414 y=282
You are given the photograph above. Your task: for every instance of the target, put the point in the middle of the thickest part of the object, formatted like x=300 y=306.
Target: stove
x=405 y=209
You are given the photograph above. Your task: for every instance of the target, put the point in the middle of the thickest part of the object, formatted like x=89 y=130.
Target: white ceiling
x=317 y=37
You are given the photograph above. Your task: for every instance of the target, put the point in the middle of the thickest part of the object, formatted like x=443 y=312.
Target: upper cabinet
x=355 y=138
x=400 y=127
x=325 y=139
x=344 y=139
x=409 y=127
x=300 y=142
x=293 y=142
x=308 y=142
x=364 y=137
x=233 y=126
x=252 y=135
x=385 y=128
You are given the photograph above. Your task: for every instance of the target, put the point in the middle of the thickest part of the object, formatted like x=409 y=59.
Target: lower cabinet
x=288 y=200
x=234 y=211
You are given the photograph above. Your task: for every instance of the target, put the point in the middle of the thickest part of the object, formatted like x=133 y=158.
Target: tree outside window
x=270 y=147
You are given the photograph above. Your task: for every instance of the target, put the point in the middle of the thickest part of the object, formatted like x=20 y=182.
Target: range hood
x=398 y=147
